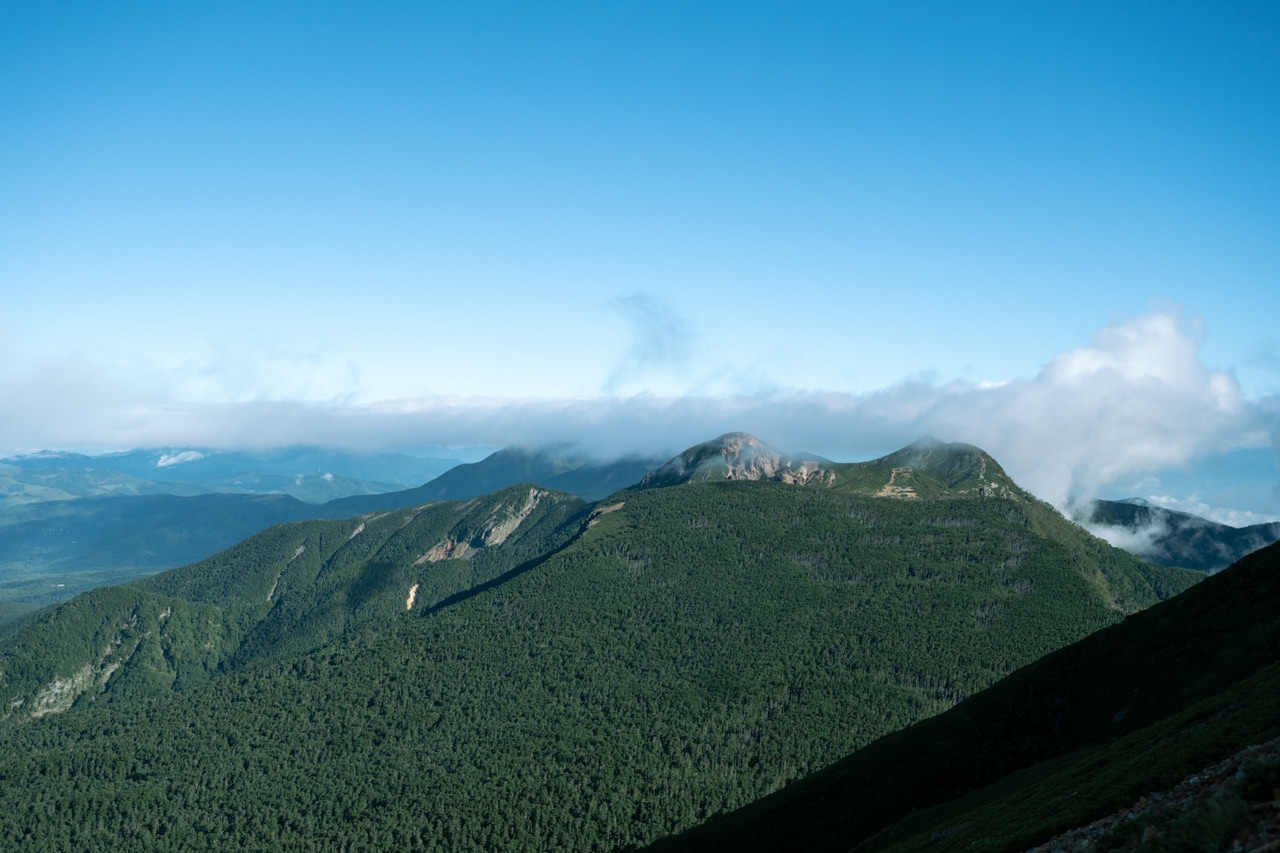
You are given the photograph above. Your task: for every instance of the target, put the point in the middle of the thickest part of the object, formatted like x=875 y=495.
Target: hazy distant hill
x=1081 y=733
x=526 y=671
x=314 y=475
x=1170 y=538
x=33 y=483
x=556 y=468
x=50 y=551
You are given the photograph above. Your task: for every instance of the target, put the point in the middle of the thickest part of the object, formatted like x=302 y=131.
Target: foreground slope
x=646 y=662
x=1087 y=730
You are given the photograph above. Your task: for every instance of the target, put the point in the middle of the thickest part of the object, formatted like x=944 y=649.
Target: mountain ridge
x=1169 y=537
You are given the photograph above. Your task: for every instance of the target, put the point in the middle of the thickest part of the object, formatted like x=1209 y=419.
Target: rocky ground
x=1230 y=806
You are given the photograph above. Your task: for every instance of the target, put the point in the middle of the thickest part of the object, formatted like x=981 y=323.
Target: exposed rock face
x=495 y=530
x=737 y=456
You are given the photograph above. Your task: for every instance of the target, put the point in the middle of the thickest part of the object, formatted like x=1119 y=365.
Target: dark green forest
x=1081 y=733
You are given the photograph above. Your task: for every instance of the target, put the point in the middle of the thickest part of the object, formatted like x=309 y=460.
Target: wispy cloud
x=1145 y=541
x=1137 y=399
x=661 y=344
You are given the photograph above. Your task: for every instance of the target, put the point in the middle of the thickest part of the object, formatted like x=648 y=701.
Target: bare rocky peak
x=737 y=456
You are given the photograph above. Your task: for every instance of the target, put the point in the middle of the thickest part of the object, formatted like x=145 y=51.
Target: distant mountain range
x=314 y=475
x=525 y=670
x=1170 y=538
x=557 y=467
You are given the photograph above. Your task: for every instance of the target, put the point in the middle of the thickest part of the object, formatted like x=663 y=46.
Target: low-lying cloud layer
x=1137 y=399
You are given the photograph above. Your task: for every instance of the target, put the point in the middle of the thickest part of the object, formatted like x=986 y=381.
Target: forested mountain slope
x=614 y=673
x=1085 y=731
x=287 y=590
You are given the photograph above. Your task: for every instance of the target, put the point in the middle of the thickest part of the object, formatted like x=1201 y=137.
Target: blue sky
x=1050 y=229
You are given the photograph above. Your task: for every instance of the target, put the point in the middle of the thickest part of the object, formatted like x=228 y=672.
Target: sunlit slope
x=1081 y=733
x=285 y=591
x=671 y=653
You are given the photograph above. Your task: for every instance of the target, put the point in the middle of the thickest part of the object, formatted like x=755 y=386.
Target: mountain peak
x=958 y=467
x=736 y=456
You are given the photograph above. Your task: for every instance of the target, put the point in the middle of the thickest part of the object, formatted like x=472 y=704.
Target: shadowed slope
x=1223 y=633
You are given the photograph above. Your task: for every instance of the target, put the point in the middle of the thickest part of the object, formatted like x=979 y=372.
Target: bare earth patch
x=890 y=490
x=595 y=515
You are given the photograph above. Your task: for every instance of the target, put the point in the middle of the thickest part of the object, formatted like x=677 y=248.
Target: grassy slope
x=1082 y=732
x=695 y=649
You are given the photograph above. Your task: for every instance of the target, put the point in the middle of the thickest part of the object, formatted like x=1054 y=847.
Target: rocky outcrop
x=496 y=529
x=738 y=456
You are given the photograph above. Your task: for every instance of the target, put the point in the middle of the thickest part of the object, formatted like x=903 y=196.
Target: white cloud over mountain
x=1138 y=398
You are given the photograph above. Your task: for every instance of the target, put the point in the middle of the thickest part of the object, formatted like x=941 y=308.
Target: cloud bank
x=1137 y=399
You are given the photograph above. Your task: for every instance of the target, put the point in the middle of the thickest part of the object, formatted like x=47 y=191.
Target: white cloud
x=178 y=458
x=1137 y=399
x=1222 y=515
x=1141 y=541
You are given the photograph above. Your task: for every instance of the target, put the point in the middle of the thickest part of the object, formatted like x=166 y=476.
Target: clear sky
x=1052 y=229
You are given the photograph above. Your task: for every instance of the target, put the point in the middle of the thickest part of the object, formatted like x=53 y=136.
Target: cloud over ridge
x=1137 y=398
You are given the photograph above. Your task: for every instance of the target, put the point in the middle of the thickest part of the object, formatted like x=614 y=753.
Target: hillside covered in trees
x=525 y=670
